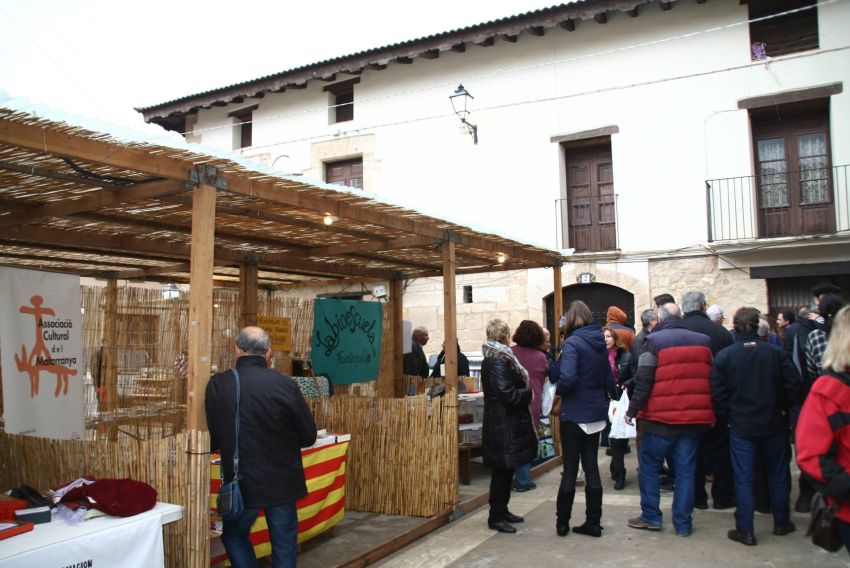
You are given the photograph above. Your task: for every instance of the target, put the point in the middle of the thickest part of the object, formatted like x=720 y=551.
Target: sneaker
x=639 y=523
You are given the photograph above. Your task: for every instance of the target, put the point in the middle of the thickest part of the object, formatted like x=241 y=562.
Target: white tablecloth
x=105 y=541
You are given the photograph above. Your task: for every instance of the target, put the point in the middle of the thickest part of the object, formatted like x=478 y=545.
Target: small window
x=341 y=100
x=344 y=103
x=467 y=294
x=242 y=128
x=791 y=33
x=346 y=172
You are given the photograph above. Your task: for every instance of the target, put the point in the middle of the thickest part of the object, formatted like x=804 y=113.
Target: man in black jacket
x=714 y=447
x=753 y=385
x=274 y=424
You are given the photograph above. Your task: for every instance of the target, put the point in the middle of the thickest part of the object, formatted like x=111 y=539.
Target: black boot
x=804 y=501
x=593 y=513
x=564 y=509
x=620 y=480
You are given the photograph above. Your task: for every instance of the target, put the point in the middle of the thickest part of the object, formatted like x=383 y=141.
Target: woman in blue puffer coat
x=584 y=383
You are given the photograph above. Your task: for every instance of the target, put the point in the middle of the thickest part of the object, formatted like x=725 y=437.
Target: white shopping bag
x=617 y=414
x=548 y=397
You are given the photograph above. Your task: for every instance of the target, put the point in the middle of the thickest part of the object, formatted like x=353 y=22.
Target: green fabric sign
x=346 y=345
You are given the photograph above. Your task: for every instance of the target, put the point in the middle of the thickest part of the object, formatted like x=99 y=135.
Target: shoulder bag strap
x=236 y=450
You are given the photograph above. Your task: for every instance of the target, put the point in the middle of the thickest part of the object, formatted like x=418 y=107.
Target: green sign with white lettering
x=346 y=341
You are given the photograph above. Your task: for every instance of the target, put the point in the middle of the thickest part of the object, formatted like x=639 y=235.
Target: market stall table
x=102 y=541
x=320 y=510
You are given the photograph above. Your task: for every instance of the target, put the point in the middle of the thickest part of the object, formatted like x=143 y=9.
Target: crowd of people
x=709 y=403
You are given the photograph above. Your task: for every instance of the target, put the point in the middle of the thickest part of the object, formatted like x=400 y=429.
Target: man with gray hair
x=275 y=423
x=715 y=314
x=672 y=397
x=415 y=362
x=713 y=454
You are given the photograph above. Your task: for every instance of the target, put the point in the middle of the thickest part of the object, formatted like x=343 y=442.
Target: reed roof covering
x=76 y=200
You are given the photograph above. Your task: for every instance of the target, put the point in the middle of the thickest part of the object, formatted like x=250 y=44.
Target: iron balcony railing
x=778 y=204
x=587 y=224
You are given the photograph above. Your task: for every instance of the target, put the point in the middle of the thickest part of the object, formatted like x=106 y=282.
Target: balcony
x=778 y=204
x=587 y=223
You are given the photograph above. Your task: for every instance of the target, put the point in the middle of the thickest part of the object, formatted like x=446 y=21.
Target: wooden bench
x=465 y=452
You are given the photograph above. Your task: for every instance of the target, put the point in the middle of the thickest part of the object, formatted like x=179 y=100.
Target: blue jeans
x=282 y=523
x=778 y=477
x=682 y=449
x=523 y=476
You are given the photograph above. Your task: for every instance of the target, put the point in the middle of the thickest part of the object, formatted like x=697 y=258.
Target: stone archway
x=598 y=297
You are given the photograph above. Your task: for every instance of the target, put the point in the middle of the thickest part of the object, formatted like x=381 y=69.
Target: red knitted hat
x=118 y=497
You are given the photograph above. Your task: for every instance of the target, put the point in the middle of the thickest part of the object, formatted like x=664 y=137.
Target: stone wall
x=730 y=288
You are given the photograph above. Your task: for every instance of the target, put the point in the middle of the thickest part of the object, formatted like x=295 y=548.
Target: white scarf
x=502 y=351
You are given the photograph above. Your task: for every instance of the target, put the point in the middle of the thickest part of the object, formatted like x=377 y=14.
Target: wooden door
x=793 y=171
x=591 y=209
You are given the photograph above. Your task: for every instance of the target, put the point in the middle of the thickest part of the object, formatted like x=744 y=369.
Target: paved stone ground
x=468 y=543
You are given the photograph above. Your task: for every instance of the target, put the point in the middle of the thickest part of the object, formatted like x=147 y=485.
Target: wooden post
x=558 y=305
x=397 y=319
x=248 y=291
x=450 y=312
x=108 y=390
x=200 y=339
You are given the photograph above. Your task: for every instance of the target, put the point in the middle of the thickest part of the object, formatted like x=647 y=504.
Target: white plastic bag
x=548 y=397
x=617 y=415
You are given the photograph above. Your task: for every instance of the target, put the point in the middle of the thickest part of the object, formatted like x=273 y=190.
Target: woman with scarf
x=619 y=359
x=583 y=385
x=508 y=437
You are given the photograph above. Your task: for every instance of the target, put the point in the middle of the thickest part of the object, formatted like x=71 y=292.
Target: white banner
x=41 y=352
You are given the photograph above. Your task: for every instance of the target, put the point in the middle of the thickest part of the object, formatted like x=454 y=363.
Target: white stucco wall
x=674 y=103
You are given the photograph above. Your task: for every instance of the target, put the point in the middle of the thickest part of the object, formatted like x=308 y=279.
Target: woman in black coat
x=619 y=359
x=508 y=436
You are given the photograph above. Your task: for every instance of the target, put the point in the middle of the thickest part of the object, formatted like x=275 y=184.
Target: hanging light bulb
x=329 y=219
x=502 y=258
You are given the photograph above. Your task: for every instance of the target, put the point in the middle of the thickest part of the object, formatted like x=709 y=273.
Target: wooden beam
x=558 y=302
x=450 y=315
x=459 y=47
x=153 y=271
x=199 y=351
x=510 y=37
x=117 y=244
x=49 y=140
x=248 y=292
x=601 y=17
x=375 y=66
x=108 y=398
x=374 y=246
x=95 y=201
x=404 y=60
x=537 y=31
x=430 y=54
x=486 y=42
x=397 y=317
x=666 y=5
x=633 y=13
x=568 y=25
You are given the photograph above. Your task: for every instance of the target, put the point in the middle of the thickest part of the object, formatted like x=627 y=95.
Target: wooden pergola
x=77 y=201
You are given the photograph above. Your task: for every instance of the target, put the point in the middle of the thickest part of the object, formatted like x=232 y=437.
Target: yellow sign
x=279 y=330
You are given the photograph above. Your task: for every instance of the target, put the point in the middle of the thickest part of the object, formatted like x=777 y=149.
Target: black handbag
x=823 y=526
x=229 y=503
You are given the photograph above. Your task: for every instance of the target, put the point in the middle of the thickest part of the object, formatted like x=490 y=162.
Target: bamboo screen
x=162 y=463
x=402 y=459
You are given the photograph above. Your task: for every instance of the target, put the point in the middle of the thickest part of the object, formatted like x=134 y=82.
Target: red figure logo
x=40 y=359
